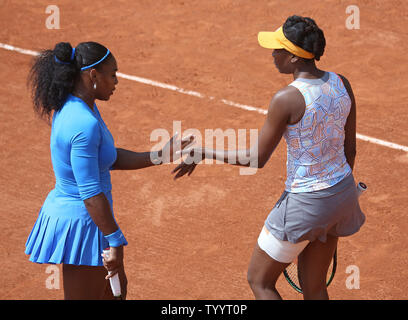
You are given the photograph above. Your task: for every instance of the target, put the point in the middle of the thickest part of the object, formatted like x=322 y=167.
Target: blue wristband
x=116 y=239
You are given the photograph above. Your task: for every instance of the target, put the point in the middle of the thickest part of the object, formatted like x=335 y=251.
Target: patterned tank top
x=315 y=144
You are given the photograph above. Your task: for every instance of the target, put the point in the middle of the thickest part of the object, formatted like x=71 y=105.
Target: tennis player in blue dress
x=76 y=221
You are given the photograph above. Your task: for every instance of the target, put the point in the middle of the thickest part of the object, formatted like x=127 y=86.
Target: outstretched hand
x=173 y=148
x=195 y=155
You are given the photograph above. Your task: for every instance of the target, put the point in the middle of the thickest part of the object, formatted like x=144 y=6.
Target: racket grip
x=361 y=187
x=114 y=281
x=115 y=285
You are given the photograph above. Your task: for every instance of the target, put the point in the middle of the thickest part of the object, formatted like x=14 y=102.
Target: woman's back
x=315 y=144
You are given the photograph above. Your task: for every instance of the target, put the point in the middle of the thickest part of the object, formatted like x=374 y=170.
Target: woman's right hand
x=113 y=262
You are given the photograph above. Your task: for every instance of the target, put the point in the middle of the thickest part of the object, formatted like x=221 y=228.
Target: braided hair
x=305 y=33
x=54 y=73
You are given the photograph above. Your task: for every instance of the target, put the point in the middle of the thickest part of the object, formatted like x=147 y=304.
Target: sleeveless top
x=315 y=144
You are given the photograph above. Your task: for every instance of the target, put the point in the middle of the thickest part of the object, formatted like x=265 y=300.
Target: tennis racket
x=114 y=281
x=291 y=272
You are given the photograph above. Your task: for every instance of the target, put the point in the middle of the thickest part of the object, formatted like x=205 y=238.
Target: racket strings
x=291 y=272
x=292 y=275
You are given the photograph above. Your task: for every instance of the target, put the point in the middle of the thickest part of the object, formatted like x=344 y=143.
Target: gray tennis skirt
x=314 y=215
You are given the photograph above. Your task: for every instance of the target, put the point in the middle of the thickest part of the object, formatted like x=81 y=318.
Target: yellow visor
x=277 y=40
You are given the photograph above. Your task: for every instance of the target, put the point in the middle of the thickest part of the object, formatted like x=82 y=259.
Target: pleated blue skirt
x=64 y=232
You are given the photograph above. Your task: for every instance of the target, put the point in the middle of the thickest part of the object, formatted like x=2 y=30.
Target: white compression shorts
x=281 y=251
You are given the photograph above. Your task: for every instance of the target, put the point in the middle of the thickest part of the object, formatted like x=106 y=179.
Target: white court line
x=24 y=51
x=160 y=85
x=382 y=142
x=200 y=95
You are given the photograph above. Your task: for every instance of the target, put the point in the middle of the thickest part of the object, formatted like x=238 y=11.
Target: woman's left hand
x=195 y=156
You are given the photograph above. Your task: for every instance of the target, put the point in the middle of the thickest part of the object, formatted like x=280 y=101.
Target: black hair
x=53 y=74
x=305 y=33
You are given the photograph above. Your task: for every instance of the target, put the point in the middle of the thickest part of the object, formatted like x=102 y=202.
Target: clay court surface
x=192 y=238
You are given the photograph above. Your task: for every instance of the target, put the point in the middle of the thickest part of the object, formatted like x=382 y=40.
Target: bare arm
x=268 y=139
x=130 y=160
x=100 y=212
x=279 y=113
x=350 y=127
x=99 y=209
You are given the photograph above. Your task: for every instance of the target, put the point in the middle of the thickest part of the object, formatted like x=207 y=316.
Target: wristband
x=116 y=239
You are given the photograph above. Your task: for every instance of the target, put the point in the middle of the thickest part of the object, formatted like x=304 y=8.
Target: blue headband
x=83 y=68
x=97 y=62
x=63 y=62
x=73 y=54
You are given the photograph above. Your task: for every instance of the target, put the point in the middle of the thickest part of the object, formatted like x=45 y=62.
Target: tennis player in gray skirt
x=316 y=114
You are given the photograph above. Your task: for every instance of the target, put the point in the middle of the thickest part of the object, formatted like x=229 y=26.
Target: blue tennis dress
x=82 y=154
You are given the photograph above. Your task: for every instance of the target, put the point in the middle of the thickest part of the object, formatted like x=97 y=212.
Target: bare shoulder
x=288 y=102
x=287 y=96
x=287 y=93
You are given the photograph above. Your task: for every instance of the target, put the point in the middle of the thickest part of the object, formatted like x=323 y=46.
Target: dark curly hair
x=53 y=74
x=305 y=33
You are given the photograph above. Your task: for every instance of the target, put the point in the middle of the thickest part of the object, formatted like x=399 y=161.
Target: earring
x=94 y=86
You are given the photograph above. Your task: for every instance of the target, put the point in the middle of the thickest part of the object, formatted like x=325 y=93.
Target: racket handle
x=114 y=281
x=115 y=285
x=361 y=187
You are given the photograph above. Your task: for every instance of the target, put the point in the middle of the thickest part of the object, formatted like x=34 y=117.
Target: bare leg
x=313 y=264
x=263 y=272
x=85 y=283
